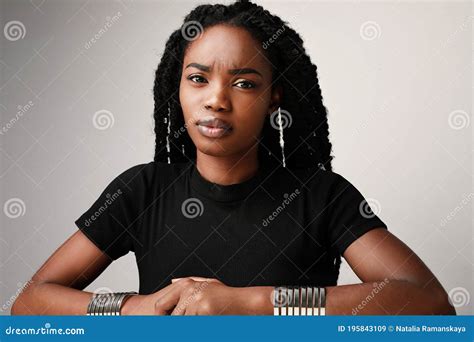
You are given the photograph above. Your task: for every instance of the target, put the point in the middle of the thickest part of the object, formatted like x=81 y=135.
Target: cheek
x=189 y=104
x=251 y=113
x=184 y=96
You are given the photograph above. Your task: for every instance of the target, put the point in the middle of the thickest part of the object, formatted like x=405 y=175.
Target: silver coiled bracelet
x=107 y=304
x=299 y=301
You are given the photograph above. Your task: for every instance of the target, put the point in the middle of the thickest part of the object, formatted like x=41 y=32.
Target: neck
x=228 y=170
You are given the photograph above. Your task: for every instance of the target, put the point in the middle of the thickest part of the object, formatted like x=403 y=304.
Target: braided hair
x=306 y=132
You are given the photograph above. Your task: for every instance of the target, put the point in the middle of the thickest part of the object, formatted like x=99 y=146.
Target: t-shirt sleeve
x=110 y=223
x=351 y=215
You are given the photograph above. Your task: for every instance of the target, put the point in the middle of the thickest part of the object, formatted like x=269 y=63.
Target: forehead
x=227 y=47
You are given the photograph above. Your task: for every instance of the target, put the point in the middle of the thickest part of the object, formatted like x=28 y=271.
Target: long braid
x=306 y=139
x=294 y=64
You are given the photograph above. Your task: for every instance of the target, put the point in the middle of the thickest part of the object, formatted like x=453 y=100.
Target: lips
x=212 y=127
x=213 y=122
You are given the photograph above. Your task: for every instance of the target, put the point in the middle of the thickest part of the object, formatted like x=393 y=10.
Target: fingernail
x=175 y=279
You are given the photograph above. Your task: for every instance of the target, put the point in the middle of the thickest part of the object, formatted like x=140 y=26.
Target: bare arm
x=395 y=281
x=55 y=289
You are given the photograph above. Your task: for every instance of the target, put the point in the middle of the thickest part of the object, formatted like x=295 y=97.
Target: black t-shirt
x=280 y=227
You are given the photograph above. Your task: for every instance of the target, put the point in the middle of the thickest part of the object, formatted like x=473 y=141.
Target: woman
x=241 y=196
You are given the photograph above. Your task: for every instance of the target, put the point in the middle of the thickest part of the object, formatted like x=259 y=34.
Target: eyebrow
x=230 y=71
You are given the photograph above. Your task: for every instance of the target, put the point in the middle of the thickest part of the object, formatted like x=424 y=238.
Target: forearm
x=257 y=300
x=390 y=297
x=51 y=299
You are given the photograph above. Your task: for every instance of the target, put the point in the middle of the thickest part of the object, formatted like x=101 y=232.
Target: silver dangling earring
x=282 y=141
x=168 y=120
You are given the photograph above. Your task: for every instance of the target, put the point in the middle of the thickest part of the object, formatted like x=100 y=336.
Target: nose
x=217 y=101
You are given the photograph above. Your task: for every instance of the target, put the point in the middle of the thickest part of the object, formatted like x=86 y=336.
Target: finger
x=180 y=308
x=187 y=304
x=191 y=310
x=188 y=299
x=199 y=278
x=195 y=278
x=164 y=290
x=168 y=300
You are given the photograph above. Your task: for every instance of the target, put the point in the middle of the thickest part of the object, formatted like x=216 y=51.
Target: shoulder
x=136 y=174
x=317 y=179
x=151 y=169
x=150 y=172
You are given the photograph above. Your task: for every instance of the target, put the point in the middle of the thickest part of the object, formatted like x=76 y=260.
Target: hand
x=201 y=296
x=157 y=303
x=205 y=296
x=209 y=296
x=164 y=302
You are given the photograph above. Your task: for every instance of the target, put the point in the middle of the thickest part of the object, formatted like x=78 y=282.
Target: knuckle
x=158 y=304
x=188 y=289
x=198 y=297
x=205 y=306
x=186 y=282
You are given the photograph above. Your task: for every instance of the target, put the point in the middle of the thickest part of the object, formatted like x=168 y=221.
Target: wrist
x=259 y=300
x=130 y=305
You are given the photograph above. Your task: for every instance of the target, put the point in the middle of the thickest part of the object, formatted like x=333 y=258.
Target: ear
x=276 y=97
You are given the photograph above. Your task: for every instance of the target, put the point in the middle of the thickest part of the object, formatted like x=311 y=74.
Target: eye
x=246 y=84
x=196 y=79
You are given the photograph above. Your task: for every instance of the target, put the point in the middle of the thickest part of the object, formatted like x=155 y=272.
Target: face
x=226 y=91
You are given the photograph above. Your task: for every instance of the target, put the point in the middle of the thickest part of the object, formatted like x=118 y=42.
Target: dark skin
x=245 y=99
x=406 y=284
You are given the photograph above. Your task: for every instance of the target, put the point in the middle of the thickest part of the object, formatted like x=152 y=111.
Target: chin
x=213 y=148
